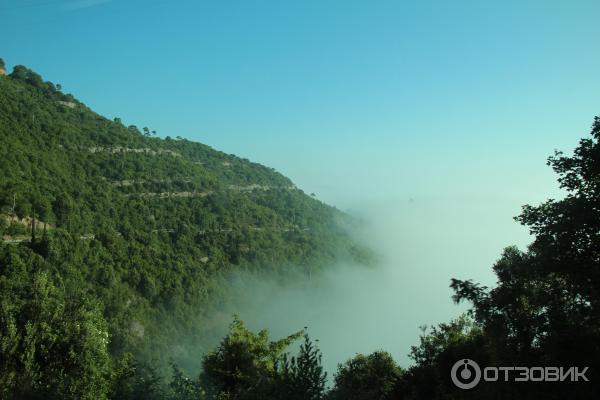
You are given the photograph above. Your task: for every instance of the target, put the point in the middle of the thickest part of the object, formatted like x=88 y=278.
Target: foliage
x=545 y=308
x=51 y=342
x=184 y=388
x=243 y=366
x=371 y=377
x=134 y=234
x=300 y=377
x=134 y=380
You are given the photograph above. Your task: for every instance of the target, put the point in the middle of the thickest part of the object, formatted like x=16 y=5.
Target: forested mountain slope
x=131 y=229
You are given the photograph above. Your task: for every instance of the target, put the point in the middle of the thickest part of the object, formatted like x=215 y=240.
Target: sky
x=432 y=118
x=348 y=98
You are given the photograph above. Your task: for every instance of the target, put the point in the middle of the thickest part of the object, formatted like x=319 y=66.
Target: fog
x=420 y=245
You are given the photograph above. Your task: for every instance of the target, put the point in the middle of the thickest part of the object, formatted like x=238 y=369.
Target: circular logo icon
x=465 y=374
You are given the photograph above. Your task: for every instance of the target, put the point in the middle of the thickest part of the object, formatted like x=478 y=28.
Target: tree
x=184 y=388
x=545 y=309
x=371 y=377
x=438 y=350
x=62 y=208
x=133 y=129
x=26 y=75
x=132 y=380
x=566 y=231
x=301 y=377
x=53 y=346
x=244 y=364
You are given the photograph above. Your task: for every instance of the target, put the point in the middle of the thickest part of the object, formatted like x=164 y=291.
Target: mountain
x=136 y=232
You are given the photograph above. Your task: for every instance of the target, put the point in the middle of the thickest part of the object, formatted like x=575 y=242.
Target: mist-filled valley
x=419 y=245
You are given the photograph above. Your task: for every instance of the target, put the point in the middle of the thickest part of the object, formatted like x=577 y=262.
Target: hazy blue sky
x=351 y=99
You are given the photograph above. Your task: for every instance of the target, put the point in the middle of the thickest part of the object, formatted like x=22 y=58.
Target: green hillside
x=134 y=232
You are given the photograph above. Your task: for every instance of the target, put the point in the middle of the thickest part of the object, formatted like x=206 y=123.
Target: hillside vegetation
x=134 y=236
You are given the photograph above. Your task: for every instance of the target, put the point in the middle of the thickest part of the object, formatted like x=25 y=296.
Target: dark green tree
x=545 y=309
x=52 y=346
x=301 y=377
x=244 y=364
x=371 y=377
x=184 y=388
x=133 y=380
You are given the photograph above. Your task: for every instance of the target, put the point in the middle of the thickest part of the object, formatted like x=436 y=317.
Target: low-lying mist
x=420 y=244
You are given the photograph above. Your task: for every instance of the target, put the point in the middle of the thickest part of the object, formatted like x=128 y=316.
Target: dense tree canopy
x=371 y=377
x=143 y=231
x=53 y=343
